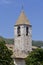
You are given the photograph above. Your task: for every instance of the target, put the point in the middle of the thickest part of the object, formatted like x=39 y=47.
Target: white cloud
x=5 y=1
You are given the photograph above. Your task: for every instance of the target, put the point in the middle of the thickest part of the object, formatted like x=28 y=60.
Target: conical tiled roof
x=22 y=19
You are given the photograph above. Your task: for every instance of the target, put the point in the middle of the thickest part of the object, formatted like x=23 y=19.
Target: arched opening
x=18 y=30
x=27 y=31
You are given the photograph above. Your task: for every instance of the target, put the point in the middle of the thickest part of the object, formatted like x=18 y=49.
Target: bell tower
x=23 y=39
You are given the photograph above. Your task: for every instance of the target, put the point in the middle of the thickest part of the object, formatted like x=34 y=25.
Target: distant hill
x=11 y=41
x=37 y=43
x=8 y=41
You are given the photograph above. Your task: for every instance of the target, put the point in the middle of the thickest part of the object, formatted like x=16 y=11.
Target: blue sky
x=10 y=10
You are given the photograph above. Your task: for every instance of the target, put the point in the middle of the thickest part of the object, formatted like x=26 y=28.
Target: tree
x=35 y=57
x=5 y=55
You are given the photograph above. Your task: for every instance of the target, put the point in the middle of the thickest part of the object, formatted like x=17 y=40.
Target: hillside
x=11 y=41
x=37 y=43
x=8 y=41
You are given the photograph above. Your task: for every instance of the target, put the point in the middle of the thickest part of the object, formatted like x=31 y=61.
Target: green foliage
x=35 y=57
x=5 y=55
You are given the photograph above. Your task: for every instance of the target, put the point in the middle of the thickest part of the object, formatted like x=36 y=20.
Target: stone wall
x=19 y=62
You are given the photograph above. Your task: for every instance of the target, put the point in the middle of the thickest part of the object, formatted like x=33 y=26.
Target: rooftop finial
x=22 y=6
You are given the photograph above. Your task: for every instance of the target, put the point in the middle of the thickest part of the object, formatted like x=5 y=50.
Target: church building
x=22 y=39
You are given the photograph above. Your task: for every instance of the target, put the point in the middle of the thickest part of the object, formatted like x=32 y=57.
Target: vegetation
x=35 y=57
x=5 y=54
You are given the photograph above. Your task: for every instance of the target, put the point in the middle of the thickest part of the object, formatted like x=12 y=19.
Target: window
x=18 y=30
x=27 y=31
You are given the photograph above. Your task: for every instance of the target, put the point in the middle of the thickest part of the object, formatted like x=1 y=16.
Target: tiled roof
x=22 y=19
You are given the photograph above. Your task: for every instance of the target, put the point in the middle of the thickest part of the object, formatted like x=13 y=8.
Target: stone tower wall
x=23 y=42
